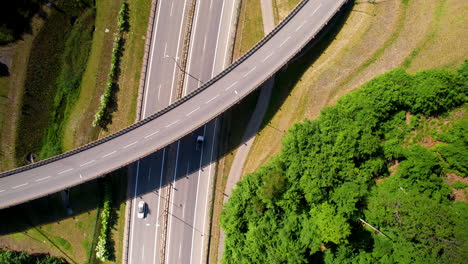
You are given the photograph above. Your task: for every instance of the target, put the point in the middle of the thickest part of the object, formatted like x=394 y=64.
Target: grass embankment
x=79 y=130
x=375 y=38
x=249 y=28
x=281 y=8
x=53 y=75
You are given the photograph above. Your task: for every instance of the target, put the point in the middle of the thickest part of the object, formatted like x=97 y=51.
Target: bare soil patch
x=458 y=195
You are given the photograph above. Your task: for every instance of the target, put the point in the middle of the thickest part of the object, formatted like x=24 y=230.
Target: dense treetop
x=305 y=206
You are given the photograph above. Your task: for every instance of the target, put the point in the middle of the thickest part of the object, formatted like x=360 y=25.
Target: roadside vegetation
x=53 y=78
x=231 y=135
x=104 y=114
x=372 y=156
x=82 y=65
x=370 y=39
x=15 y=257
x=393 y=28
x=15 y=19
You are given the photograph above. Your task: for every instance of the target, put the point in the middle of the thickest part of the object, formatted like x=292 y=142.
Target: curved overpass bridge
x=153 y=133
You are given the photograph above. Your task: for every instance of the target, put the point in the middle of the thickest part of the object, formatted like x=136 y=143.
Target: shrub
x=102 y=248
x=106 y=98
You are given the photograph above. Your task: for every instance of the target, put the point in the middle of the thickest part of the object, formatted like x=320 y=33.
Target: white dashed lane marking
x=131 y=144
x=21 y=185
x=207 y=102
x=301 y=25
x=86 y=163
x=284 y=41
x=193 y=111
x=316 y=9
x=110 y=153
x=152 y=134
x=267 y=57
x=2 y=191
x=173 y=123
x=65 y=171
x=230 y=86
x=245 y=75
x=41 y=179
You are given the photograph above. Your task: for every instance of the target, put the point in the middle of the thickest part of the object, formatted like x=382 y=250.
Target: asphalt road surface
x=188 y=212
x=188 y=182
x=160 y=88
x=189 y=114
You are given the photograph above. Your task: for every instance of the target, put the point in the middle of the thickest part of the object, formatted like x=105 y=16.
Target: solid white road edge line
x=186 y=80
x=133 y=217
x=206 y=200
x=153 y=42
x=177 y=52
x=217 y=41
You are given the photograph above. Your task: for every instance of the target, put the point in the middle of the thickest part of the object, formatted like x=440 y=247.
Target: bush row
x=111 y=83
x=102 y=248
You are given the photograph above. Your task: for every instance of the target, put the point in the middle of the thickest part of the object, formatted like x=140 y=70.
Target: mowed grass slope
x=79 y=129
x=249 y=28
x=375 y=38
x=130 y=66
x=78 y=124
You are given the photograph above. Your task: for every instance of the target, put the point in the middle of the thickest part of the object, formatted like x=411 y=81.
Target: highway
x=187 y=223
x=159 y=92
x=171 y=124
x=189 y=181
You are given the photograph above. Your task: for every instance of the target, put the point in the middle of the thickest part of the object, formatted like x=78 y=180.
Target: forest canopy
x=371 y=157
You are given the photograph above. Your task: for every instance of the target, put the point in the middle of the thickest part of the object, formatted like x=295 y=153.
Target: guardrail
x=168 y=108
